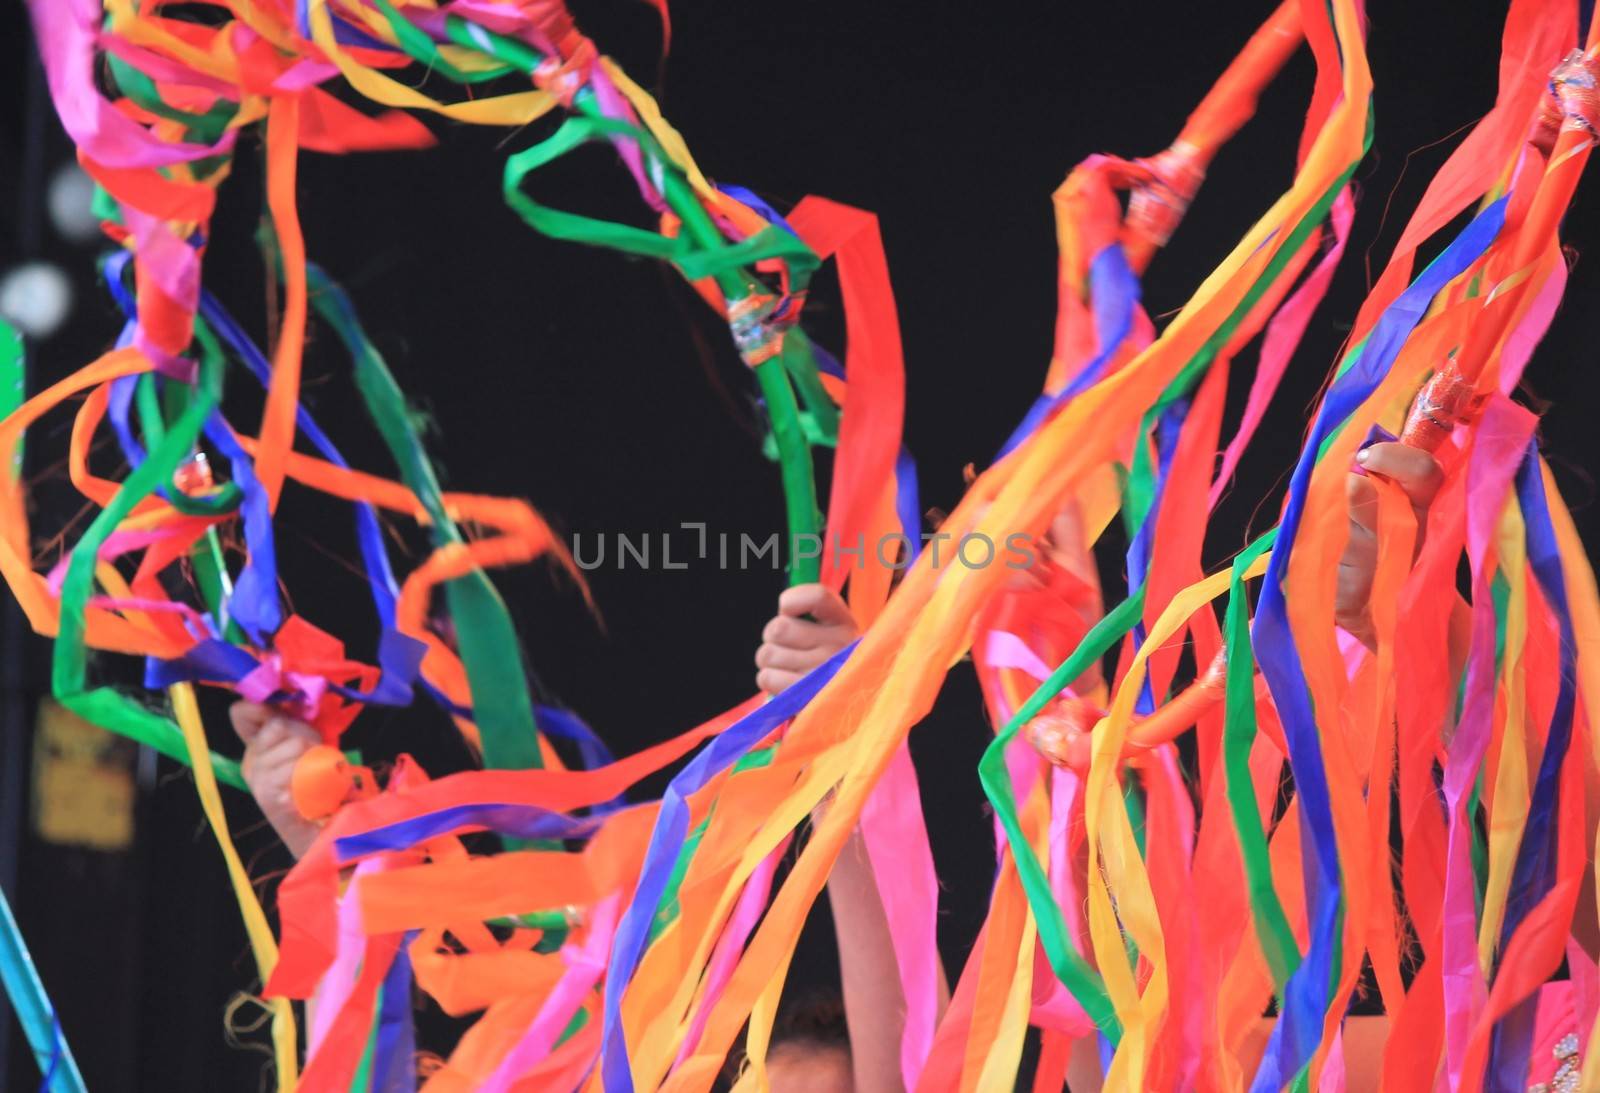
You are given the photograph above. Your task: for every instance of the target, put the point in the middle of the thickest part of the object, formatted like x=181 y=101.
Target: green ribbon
x=13 y=389
x=698 y=251
x=416 y=42
x=104 y=706
x=490 y=653
x=1070 y=968
x=1238 y=736
x=1138 y=491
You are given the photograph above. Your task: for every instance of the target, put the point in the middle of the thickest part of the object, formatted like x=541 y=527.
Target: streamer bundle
x=1148 y=905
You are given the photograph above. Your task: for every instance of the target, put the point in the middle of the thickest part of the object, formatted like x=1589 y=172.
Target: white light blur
x=36 y=298
x=71 y=202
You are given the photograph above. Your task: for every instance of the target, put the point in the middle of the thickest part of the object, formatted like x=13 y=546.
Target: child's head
x=810 y=1050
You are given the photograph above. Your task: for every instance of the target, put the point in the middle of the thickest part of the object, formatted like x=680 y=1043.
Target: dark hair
x=814 y=1021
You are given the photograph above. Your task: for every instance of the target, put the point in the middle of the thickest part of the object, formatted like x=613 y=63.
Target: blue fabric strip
x=1299 y=1027
x=254 y=603
x=1114 y=295
x=757 y=204
x=908 y=504
x=369 y=535
x=518 y=821
x=1534 y=873
x=667 y=840
x=394 y=1058
x=566 y=725
x=592 y=752
x=1169 y=427
x=344 y=32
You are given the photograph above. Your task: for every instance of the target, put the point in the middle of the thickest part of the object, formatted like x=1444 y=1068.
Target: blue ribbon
x=667 y=840
x=394 y=1056
x=344 y=32
x=517 y=821
x=254 y=604
x=1114 y=295
x=1299 y=1027
x=1169 y=426
x=1534 y=873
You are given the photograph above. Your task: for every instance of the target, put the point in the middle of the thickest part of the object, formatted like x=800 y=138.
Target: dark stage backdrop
x=600 y=389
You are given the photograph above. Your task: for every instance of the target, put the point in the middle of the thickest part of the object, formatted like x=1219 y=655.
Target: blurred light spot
x=71 y=201
x=36 y=298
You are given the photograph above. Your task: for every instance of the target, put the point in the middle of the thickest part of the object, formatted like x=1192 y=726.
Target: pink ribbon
x=305 y=73
x=1530 y=331
x=585 y=965
x=162 y=69
x=116 y=545
x=1501 y=439
x=339 y=982
x=270 y=677
x=896 y=835
x=730 y=946
x=1053 y=1005
x=1282 y=337
x=66 y=31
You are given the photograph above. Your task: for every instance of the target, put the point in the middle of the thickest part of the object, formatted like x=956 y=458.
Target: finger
x=792 y=632
x=280 y=729
x=249 y=718
x=270 y=774
x=790 y=660
x=805 y=634
x=1414 y=470
x=284 y=753
x=817 y=600
x=1353 y=581
x=1361 y=497
x=774 y=681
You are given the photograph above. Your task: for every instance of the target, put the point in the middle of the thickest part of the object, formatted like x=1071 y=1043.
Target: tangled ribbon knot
x=1573 y=100
x=758 y=322
x=1448 y=399
x=1158 y=202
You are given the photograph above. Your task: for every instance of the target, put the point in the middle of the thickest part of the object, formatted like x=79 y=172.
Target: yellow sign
x=83 y=789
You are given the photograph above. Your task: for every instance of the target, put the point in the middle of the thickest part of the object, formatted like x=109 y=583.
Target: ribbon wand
x=758 y=318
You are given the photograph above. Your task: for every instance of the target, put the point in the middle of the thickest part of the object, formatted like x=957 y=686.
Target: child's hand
x=792 y=644
x=1064 y=574
x=273 y=743
x=1416 y=473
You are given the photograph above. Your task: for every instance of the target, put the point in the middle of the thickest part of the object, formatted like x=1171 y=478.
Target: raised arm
x=812 y=624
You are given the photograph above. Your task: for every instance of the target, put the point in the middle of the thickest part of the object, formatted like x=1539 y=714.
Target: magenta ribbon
x=586 y=963
x=304 y=690
x=1283 y=335
x=730 y=946
x=66 y=31
x=1501 y=438
x=896 y=834
x=339 y=981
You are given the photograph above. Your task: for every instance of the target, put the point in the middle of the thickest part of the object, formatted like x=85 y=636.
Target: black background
x=601 y=390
